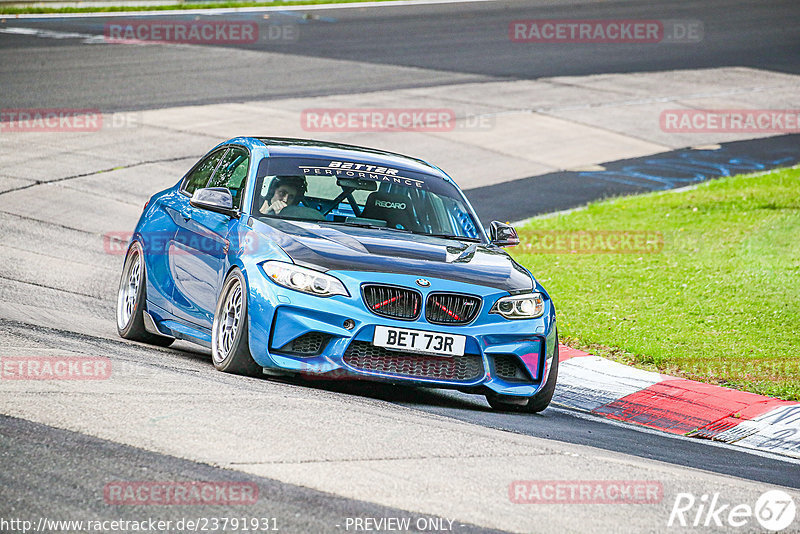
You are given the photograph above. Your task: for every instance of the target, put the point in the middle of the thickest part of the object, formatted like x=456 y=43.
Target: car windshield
x=360 y=194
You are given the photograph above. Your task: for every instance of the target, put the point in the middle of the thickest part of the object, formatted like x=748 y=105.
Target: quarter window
x=198 y=178
x=231 y=173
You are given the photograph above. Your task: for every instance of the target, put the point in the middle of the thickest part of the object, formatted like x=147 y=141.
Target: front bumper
x=306 y=335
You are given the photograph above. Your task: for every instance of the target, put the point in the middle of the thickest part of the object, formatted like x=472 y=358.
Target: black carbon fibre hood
x=347 y=248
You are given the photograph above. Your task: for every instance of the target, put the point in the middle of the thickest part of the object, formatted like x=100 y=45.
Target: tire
x=230 y=348
x=538 y=402
x=131 y=298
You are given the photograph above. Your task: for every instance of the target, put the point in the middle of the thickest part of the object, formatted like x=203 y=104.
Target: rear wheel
x=535 y=404
x=131 y=299
x=230 y=348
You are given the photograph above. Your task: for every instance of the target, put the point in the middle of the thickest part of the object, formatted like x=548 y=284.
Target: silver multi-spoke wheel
x=132 y=300
x=228 y=323
x=129 y=289
x=230 y=344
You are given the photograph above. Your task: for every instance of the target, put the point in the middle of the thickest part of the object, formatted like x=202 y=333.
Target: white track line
x=49 y=34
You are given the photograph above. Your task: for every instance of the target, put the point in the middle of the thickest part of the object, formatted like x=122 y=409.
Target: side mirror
x=503 y=235
x=217 y=199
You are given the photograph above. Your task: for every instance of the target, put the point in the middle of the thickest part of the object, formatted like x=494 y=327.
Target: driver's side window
x=198 y=178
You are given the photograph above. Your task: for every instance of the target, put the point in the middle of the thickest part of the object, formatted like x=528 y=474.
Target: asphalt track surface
x=60 y=453
x=565 y=190
x=408 y=47
x=52 y=471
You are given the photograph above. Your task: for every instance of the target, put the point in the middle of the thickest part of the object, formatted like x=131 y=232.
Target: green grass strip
x=719 y=303
x=183 y=6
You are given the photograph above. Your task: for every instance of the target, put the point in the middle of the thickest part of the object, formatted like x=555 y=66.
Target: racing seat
x=395 y=209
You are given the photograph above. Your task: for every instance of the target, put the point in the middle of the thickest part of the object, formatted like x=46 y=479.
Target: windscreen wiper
x=367 y=225
x=451 y=236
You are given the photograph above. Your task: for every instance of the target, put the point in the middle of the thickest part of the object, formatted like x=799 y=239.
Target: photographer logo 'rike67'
x=775 y=510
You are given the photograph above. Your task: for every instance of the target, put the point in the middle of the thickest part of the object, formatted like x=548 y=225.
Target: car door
x=202 y=243
x=180 y=211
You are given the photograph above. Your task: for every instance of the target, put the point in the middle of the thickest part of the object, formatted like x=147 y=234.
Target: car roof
x=310 y=148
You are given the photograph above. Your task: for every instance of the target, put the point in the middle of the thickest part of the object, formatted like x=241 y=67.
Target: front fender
x=253 y=249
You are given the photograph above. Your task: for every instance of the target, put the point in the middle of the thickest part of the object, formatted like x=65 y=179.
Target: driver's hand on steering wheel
x=274 y=208
x=277 y=206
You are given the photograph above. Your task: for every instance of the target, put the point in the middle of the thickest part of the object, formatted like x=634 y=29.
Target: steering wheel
x=302 y=212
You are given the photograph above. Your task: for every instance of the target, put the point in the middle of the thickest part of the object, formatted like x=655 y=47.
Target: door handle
x=186 y=217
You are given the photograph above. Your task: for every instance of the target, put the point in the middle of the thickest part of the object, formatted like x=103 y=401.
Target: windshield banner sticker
x=362 y=171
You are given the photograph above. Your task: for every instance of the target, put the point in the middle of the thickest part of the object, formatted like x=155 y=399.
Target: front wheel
x=230 y=348
x=131 y=299
x=536 y=403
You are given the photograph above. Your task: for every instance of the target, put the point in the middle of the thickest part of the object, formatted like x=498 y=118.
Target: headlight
x=527 y=306
x=305 y=280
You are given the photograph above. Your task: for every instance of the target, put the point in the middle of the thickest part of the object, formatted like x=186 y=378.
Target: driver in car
x=283 y=191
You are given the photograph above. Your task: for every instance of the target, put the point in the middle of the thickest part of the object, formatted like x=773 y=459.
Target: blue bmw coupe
x=307 y=258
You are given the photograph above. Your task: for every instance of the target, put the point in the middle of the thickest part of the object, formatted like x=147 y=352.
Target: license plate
x=419 y=341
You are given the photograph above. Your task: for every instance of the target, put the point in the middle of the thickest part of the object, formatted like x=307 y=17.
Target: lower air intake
x=310 y=344
x=367 y=357
x=508 y=367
